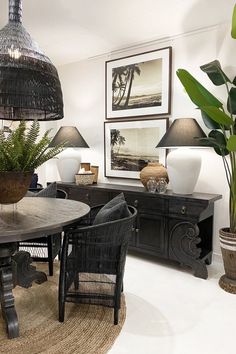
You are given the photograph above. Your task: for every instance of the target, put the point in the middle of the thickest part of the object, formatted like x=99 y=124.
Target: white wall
x=83 y=86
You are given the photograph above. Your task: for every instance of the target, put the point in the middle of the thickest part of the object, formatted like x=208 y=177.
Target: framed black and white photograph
x=130 y=145
x=139 y=85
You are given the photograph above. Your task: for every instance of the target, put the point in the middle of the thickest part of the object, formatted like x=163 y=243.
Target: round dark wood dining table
x=31 y=217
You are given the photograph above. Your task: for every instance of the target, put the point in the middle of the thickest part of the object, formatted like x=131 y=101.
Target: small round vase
x=153 y=169
x=151 y=184
x=161 y=185
x=13 y=186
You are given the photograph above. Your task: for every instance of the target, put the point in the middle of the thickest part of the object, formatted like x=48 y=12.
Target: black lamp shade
x=72 y=137
x=29 y=84
x=182 y=132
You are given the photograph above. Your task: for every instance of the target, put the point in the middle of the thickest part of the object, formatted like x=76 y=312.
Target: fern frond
x=20 y=150
x=49 y=155
x=32 y=134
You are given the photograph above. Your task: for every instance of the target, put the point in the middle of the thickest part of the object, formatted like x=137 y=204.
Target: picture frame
x=129 y=145
x=139 y=85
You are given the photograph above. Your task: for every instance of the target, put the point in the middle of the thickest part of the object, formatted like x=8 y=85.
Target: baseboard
x=217 y=257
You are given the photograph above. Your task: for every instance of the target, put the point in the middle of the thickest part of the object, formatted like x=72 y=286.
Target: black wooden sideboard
x=171 y=226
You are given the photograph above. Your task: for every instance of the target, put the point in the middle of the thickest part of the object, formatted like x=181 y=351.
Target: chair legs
x=116 y=316
x=50 y=267
x=50 y=257
x=117 y=305
x=62 y=283
x=61 y=310
x=61 y=297
x=118 y=291
x=76 y=282
x=62 y=291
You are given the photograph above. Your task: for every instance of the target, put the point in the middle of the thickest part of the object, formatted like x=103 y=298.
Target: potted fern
x=21 y=152
x=221 y=120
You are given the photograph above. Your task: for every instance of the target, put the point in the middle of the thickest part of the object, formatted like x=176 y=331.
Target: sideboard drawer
x=97 y=197
x=89 y=196
x=185 y=209
x=143 y=203
x=81 y=194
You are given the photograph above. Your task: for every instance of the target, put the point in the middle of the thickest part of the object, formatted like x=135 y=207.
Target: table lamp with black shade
x=183 y=163
x=69 y=160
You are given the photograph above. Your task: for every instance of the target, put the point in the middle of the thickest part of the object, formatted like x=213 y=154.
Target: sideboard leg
x=184 y=238
x=208 y=259
x=200 y=269
x=6 y=286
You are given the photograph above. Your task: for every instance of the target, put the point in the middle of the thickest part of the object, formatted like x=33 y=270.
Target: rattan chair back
x=93 y=262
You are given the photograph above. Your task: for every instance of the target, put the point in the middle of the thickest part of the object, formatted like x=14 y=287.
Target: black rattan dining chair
x=46 y=248
x=93 y=261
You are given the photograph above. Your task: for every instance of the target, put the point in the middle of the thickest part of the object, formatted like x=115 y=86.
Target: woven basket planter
x=228 y=249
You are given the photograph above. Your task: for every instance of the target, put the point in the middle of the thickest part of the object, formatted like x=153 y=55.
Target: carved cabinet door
x=151 y=234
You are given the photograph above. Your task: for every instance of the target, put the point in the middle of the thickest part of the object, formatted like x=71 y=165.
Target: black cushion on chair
x=117 y=199
x=50 y=192
x=115 y=209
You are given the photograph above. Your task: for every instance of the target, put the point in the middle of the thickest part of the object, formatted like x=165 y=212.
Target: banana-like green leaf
x=197 y=93
x=233 y=29
x=231 y=102
x=210 y=142
x=218 y=116
x=215 y=73
x=216 y=140
x=231 y=144
x=234 y=81
x=209 y=123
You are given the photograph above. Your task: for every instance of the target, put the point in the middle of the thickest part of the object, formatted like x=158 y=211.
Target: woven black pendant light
x=29 y=84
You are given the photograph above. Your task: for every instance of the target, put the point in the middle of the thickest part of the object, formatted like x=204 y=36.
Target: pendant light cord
x=15 y=11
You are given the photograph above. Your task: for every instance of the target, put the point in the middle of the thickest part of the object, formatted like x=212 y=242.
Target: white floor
x=169 y=311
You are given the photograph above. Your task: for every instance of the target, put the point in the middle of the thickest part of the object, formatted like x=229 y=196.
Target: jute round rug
x=88 y=329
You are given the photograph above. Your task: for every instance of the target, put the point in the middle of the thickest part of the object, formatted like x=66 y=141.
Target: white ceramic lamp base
x=68 y=165
x=183 y=167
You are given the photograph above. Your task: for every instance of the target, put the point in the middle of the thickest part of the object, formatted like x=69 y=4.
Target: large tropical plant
x=220 y=118
x=21 y=150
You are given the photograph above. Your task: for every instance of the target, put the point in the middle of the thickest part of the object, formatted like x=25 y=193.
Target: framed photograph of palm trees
x=131 y=144
x=139 y=85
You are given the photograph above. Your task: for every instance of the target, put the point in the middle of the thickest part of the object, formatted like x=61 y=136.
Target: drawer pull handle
x=183 y=209
x=137 y=230
x=136 y=203
x=87 y=196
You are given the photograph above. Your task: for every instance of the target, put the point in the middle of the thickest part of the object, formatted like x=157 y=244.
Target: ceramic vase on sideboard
x=153 y=169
